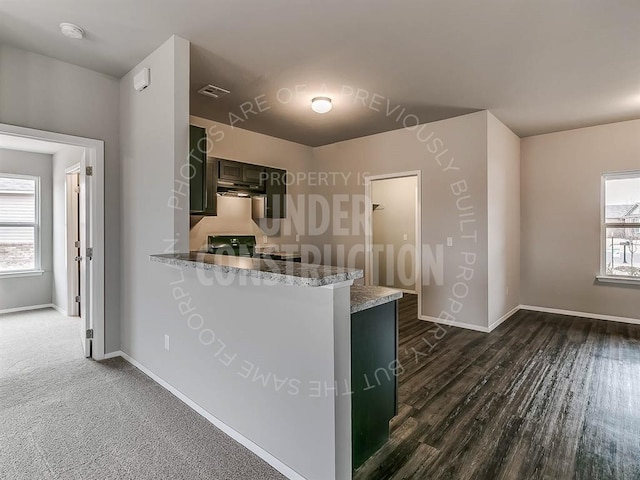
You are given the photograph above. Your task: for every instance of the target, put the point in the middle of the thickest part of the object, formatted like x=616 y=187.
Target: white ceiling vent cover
x=213 y=91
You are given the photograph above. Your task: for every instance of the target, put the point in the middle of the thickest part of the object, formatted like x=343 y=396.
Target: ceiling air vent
x=213 y=91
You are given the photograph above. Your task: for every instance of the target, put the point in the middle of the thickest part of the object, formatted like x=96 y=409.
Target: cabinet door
x=211 y=199
x=230 y=170
x=197 y=164
x=373 y=383
x=276 y=193
x=253 y=174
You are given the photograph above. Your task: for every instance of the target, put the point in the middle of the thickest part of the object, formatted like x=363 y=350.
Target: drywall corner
x=154 y=126
x=503 y=209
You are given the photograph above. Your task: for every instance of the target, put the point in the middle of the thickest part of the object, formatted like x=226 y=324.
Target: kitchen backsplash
x=234 y=218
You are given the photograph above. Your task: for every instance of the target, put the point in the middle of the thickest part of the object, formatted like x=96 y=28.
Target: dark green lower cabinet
x=374 y=350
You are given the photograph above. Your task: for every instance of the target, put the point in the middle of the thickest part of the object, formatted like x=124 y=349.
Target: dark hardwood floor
x=541 y=397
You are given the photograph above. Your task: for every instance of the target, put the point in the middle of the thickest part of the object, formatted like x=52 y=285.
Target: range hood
x=239 y=189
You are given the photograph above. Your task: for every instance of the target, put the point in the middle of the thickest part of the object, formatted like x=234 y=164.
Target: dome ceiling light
x=321 y=104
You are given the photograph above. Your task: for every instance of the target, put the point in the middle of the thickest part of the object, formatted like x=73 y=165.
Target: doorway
x=83 y=208
x=393 y=231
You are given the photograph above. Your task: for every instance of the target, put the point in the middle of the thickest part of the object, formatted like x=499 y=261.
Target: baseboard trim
x=468 y=326
x=59 y=309
x=26 y=309
x=571 y=313
x=115 y=354
x=238 y=437
x=505 y=317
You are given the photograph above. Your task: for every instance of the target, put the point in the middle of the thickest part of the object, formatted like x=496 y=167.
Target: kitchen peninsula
x=275 y=354
x=287 y=273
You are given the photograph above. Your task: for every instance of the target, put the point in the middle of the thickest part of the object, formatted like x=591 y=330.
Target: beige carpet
x=66 y=417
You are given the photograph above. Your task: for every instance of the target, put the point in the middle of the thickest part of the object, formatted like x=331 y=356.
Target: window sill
x=621 y=280
x=29 y=273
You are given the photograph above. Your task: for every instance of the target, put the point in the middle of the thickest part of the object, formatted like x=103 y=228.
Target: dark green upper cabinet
x=231 y=171
x=239 y=172
x=253 y=173
x=197 y=166
x=211 y=187
x=275 y=193
x=202 y=184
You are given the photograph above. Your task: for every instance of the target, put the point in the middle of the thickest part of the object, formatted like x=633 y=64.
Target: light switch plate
x=449 y=241
x=166 y=342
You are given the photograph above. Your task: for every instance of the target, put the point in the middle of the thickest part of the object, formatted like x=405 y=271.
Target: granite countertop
x=364 y=297
x=287 y=273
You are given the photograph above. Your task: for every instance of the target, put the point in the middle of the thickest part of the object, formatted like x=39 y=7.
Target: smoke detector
x=72 y=31
x=213 y=91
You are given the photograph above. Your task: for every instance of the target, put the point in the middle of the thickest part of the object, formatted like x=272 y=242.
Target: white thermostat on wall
x=141 y=79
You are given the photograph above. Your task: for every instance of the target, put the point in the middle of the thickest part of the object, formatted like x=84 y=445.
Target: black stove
x=245 y=246
x=236 y=245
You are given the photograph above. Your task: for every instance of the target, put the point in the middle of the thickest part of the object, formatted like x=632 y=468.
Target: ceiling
x=539 y=66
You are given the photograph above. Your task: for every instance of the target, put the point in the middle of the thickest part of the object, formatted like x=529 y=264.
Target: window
x=621 y=242
x=19 y=224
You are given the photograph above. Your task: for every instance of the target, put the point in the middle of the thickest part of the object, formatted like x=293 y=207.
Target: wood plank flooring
x=541 y=397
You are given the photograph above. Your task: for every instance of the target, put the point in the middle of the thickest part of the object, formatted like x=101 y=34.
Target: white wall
x=153 y=127
x=561 y=208
x=62 y=160
x=19 y=292
x=503 y=160
x=43 y=93
x=447 y=152
x=235 y=214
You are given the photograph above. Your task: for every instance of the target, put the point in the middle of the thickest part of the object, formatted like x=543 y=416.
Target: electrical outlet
x=166 y=342
x=449 y=241
x=297 y=238
x=405 y=237
x=265 y=239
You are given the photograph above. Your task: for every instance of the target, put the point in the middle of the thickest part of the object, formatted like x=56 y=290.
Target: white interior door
x=73 y=242
x=85 y=260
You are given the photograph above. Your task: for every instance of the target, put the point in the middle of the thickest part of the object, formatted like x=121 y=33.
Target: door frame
x=93 y=157
x=368 y=227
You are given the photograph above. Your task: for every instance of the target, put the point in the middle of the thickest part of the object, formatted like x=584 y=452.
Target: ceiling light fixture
x=72 y=31
x=321 y=104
